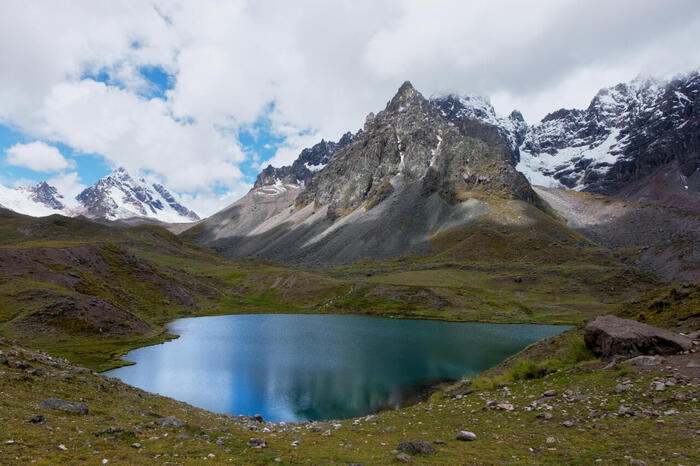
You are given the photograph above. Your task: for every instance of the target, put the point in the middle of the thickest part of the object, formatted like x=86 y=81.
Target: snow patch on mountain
x=23 y=200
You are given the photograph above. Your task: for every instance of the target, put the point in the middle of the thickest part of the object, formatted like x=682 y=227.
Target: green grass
x=121 y=415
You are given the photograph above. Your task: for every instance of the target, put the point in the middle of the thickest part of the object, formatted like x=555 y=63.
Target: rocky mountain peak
x=310 y=161
x=411 y=142
x=406 y=96
x=45 y=195
x=628 y=131
x=118 y=195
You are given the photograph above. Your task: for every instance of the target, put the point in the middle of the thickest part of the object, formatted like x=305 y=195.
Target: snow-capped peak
x=119 y=195
x=458 y=108
x=39 y=201
x=116 y=196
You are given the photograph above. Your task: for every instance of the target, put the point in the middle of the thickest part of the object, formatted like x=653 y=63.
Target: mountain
x=461 y=109
x=39 y=200
x=410 y=182
x=117 y=196
x=309 y=162
x=638 y=140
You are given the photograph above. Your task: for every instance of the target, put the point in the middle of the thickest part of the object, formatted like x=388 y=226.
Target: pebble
x=466 y=436
x=505 y=406
x=136 y=445
x=62 y=447
x=544 y=415
x=549 y=393
x=404 y=458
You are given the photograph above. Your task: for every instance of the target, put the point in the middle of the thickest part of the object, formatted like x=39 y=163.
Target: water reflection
x=299 y=367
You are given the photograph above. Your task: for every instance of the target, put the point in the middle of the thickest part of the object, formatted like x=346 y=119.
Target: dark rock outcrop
x=46 y=195
x=309 y=162
x=609 y=336
x=64 y=405
x=415 y=447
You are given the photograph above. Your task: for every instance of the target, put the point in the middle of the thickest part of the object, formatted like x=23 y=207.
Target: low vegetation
x=154 y=277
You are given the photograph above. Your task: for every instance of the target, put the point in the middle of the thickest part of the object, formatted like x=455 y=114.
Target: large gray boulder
x=609 y=336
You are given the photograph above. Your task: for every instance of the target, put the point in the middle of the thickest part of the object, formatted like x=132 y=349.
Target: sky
x=200 y=95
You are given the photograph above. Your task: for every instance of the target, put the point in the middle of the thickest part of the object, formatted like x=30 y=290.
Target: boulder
x=609 y=336
x=416 y=446
x=64 y=405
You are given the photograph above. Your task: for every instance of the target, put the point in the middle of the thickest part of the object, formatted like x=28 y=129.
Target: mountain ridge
x=117 y=196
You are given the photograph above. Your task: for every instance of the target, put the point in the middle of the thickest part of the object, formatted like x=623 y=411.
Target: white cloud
x=208 y=203
x=322 y=65
x=37 y=156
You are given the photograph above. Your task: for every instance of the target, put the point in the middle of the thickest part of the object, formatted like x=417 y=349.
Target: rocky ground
x=640 y=412
x=655 y=238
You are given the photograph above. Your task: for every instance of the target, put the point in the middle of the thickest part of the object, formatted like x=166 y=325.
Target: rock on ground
x=257 y=443
x=609 y=336
x=416 y=446
x=64 y=405
x=466 y=436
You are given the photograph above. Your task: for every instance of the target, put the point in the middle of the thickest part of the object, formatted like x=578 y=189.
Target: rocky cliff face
x=639 y=140
x=410 y=141
x=46 y=195
x=626 y=132
x=462 y=110
x=309 y=162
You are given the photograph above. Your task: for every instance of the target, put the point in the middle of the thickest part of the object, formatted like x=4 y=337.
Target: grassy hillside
x=91 y=292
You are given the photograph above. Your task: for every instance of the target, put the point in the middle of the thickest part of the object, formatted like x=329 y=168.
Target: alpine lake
x=291 y=368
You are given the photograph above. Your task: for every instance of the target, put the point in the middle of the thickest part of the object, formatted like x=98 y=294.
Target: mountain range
x=636 y=140
x=424 y=174
x=117 y=196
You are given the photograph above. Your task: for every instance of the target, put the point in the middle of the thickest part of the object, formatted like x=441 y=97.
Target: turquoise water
x=311 y=367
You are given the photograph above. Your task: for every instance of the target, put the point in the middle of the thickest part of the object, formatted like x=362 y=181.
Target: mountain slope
x=655 y=238
x=39 y=200
x=410 y=182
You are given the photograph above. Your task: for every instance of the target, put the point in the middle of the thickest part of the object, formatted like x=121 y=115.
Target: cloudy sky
x=200 y=94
